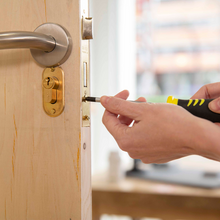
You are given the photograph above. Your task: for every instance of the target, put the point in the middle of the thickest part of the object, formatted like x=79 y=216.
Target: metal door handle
x=25 y=39
x=50 y=43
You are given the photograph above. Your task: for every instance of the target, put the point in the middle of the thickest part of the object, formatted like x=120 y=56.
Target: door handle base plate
x=62 y=50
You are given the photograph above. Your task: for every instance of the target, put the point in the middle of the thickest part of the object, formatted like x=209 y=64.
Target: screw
x=52 y=69
x=53 y=111
x=86 y=118
x=84 y=146
x=84 y=98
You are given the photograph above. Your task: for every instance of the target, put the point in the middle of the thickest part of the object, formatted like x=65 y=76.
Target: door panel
x=44 y=170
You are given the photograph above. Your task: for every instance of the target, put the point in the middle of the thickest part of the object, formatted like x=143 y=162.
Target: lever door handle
x=25 y=39
x=50 y=43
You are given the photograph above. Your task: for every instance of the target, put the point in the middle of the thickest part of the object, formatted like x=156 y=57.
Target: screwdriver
x=197 y=107
x=97 y=99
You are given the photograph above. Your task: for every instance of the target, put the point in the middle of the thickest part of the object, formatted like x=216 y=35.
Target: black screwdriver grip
x=199 y=108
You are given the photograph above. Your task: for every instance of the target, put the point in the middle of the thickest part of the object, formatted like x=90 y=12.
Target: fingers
x=118 y=125
x=123 y=95
x=113 y=124
x=111 y=121
x=209 y=91
x=215 y=105
x=127 y=121
x=122 y=107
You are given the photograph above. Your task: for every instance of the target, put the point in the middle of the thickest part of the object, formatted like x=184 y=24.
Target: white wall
x=112 y=67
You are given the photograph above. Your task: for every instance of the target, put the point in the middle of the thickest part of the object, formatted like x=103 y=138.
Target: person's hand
x=160 y=133
x=210 y=91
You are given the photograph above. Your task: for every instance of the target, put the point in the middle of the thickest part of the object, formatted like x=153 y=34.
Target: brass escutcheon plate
x=54 y=109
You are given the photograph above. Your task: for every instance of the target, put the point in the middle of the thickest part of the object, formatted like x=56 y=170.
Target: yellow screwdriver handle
x=197 y=107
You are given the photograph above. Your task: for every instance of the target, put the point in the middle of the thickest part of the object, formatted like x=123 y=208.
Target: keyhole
x=48 y=81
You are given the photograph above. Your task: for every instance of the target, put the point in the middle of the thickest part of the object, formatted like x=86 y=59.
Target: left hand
x=210 y=91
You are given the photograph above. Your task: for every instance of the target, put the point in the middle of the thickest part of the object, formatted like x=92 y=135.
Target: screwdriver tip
x=90 y=99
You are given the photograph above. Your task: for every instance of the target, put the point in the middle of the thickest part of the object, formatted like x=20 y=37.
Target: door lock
x=51 y=84
x=53 y=91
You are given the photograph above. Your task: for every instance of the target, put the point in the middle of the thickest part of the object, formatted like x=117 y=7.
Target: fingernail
x=215 y=105
x=105 y=99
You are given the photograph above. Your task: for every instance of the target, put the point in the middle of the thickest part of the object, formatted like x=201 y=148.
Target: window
x=178 y=47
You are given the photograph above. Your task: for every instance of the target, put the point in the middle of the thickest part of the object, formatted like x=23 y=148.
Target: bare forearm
x=207 y=139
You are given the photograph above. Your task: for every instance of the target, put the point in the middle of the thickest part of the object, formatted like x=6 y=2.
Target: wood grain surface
x=42 y=161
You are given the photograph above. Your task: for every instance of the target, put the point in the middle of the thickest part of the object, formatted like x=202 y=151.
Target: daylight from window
x=178 y=47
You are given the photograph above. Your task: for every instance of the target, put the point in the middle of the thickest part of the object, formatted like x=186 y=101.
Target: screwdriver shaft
x=97 y=99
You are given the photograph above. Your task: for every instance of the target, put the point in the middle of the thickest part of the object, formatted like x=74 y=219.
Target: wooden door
x=44 y=170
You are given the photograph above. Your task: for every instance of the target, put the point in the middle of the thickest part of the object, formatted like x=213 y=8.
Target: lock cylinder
x=53 y=91
x=51 y=84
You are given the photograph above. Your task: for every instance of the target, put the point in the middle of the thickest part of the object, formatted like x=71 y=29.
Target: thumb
x=215 y=105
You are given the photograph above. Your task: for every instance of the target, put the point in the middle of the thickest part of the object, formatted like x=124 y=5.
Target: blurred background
x=153 y=48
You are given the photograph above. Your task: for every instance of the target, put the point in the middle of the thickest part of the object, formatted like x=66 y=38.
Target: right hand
x=160 y=133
